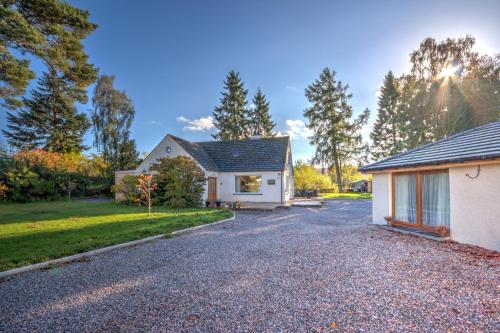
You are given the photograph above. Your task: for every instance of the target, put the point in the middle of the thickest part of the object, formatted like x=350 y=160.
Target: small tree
x=146 y=186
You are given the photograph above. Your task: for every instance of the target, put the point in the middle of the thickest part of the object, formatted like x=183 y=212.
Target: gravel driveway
x=296 y=270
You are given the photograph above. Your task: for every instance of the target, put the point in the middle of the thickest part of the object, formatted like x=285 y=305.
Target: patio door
x=421 y=199
x=435 y=200
x=405 y=198
x=212 y=189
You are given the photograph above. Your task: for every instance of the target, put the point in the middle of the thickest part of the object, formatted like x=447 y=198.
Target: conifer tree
x=260 y=121
x=230 y=116
x=387 y=131
x=49 y=119
x=336 y=135
x=111 y=120
x=50 y=30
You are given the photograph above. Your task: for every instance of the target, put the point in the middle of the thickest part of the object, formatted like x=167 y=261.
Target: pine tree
x=231 y=114
x=336 y=136
x=49 y=119
x=111 y=120
x=260 y=121
x=387 y=131
x=50 y=30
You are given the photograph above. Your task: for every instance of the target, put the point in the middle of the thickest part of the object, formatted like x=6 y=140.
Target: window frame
x=418 y=175
x=236 y=180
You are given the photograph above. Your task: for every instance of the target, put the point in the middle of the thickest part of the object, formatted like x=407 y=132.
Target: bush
x=3 y=190
x=128 y=187
x=307 y=177
x=41 y=175
x=180 y=182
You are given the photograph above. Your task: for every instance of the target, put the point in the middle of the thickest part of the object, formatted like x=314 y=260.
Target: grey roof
x=480 y=143
x=197 y=152
x=264 y=154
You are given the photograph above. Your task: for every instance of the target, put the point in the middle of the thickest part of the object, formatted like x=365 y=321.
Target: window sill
x=247 y=193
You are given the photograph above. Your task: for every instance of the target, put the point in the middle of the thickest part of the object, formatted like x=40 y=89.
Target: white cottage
x=250 y=170
x=449 y=187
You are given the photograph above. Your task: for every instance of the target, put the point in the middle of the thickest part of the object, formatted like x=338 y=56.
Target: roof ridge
x=246 y=139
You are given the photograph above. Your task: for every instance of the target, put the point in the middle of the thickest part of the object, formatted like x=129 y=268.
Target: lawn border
x=182 y=231
x=80 y=256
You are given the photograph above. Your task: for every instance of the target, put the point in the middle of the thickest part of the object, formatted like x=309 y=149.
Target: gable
x=160 y=151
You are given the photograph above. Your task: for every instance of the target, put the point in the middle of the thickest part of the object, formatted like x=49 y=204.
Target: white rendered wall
x=475 y=206
x=226 y=187
x=381 y=203
x=176 y=150
x=160 y=151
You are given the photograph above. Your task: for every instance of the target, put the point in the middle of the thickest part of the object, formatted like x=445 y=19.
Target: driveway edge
x=182 y=231
x=80 y=256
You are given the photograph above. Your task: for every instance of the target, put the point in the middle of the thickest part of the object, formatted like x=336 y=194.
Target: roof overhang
x=436 y=166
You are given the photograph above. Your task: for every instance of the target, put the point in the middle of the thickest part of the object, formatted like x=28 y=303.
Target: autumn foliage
x=41 y=175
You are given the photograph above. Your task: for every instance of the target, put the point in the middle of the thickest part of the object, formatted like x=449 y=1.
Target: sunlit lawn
x=36 y=232
x=347 y=195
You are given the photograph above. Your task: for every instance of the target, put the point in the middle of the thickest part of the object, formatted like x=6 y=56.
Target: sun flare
x=448 y=71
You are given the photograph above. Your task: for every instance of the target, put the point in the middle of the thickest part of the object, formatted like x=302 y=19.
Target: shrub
x=3 y=190
x=128 y=187
x=38 y=174
x=180 y=182
x=307 y=177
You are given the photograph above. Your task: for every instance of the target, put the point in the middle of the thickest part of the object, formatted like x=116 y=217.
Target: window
x=436 y=200
x=422 y=199
x=248 y=184
x=405 y=198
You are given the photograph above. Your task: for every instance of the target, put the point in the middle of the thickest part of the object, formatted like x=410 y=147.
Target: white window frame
x=236 y=180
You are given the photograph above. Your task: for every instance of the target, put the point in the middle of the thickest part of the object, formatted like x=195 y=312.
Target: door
x=212 y=189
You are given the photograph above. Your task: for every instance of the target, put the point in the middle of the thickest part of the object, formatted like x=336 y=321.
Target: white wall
x=226 y=187
x=160 y=151
x=176 y=150
x=381 y=203
x=475 y=206
x=288 y=181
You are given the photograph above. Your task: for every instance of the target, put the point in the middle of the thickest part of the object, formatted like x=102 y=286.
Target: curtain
x=436 y=199
x=405 y=198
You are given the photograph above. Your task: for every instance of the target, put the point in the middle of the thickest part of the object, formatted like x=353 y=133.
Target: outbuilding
x=450 y=187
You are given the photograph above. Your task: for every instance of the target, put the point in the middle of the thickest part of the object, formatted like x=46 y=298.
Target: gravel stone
x=296 y=270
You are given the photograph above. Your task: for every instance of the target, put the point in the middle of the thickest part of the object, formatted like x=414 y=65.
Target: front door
x=212 y=189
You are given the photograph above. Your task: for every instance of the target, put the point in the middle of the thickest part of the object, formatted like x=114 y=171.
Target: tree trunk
x=338 y=169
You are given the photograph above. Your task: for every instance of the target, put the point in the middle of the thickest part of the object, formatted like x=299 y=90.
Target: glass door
x=405 y=198
x=435 y=200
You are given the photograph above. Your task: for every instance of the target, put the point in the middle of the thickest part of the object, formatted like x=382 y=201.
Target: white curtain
x=436 y=199
x=405 y=198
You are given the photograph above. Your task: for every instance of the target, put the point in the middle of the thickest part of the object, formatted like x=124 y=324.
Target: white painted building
x=251 y=170
x=449 y=187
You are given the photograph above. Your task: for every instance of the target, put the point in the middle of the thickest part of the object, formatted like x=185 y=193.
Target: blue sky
x=172 y=56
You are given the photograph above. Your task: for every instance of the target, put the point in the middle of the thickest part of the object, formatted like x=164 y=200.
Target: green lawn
x=347 y=195
x=37 y=232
